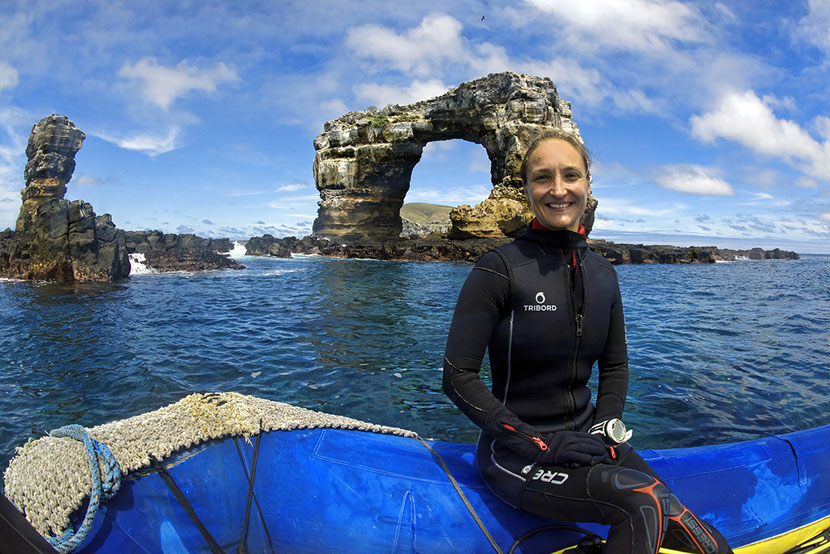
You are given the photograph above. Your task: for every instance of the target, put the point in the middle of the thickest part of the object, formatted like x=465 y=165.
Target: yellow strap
x=781 y=543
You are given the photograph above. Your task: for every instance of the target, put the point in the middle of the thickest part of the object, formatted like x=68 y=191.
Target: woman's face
x=557 y=185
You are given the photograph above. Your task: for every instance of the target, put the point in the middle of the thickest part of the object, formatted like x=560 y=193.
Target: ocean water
x=718 y=353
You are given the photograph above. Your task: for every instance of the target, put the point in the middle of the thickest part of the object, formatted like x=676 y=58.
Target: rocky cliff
x=55 y=239
x=364 y=160
x=186 y=252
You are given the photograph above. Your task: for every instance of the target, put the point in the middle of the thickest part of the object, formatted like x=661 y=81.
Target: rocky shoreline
x=65 y=241
x=470 y=250
x=186 y=252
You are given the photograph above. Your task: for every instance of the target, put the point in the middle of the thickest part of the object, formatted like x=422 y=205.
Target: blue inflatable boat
x=328 y=487
x=331 y=490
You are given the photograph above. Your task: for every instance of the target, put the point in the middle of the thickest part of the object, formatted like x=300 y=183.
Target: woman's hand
x=573 y=448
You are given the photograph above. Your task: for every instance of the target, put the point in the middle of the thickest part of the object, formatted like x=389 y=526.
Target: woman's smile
x=557 y=185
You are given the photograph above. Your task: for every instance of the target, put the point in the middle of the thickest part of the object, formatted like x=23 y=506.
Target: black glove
x=573 y=448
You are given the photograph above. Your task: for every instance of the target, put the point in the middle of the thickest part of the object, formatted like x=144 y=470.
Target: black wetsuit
x=547 y=308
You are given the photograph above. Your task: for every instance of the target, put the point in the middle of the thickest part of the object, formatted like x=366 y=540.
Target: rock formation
x=186 y=252
x=466 y=250
x=728 y=255
x=470 y=250
x=364 y=160
x=653 y=254
x=55 y=239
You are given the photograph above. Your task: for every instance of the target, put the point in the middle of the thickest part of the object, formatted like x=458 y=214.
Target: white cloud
x=744 y=118
x=162 y=85
x=822 y=126
x=692 y=179
x=645 y=26
x=334 y=108
x=8 y=76
x=292 y=202
x=384 y=95
x=152 y=145
x=624 y=207
x=85 y=180
x=441 y=146
x=814 y=26
x=12 y=162
x=455 y=196
x=785 y=103
x=806 y=183
x=764 y=199
x=418 y=50
x=825 y=217
x=586 y=86
x=289 y=188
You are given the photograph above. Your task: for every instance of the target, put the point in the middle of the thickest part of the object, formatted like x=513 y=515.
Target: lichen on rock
x=364 y=159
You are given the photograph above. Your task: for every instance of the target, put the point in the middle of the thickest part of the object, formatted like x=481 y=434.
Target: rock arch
x=364 y=160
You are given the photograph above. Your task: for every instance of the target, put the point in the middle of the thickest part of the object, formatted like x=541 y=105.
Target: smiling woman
x=545 y=447
x=557 y=180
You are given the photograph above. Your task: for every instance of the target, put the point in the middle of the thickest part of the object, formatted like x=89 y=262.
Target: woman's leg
x=685 y=531
x=633 y=503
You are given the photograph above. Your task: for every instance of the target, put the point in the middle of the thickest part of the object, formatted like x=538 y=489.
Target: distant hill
x=422 y=213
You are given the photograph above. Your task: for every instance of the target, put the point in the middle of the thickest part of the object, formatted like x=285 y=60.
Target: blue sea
x=718 y=353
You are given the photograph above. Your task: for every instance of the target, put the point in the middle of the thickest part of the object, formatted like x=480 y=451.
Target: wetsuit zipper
x=578 y=320
x=535 y=440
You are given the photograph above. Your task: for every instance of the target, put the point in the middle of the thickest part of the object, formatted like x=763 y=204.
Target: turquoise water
x=718 y=353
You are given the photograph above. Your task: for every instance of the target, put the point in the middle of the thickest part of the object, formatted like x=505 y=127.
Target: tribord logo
x=540 y=305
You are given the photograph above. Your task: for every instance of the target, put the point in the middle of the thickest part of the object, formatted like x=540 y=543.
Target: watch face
x=616 y=430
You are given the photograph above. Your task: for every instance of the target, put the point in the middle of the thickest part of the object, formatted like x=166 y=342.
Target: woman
x=548 y=309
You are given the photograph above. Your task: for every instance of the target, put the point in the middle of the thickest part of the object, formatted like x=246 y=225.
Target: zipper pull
x=540 y=443
x=579 y=325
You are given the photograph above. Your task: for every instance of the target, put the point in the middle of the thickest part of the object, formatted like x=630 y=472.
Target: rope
x=97 y=452
x=480 y=523
x=469 y=506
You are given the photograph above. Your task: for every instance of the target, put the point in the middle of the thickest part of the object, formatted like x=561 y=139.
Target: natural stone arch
x=364 y=160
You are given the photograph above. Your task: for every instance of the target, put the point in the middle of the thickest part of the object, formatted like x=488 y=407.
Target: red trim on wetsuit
x=649 y=490
x=539 y=227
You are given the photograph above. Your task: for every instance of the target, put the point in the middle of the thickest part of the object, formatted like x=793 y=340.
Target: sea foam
x=138 y=264
x=238 y=250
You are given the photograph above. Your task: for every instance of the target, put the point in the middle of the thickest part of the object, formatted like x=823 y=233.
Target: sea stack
x=55 y=239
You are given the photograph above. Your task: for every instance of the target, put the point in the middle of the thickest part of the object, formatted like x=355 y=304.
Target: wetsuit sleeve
x=483 y=301
x=613 y=365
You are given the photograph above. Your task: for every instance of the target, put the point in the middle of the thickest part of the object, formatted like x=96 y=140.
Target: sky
x=708 y=121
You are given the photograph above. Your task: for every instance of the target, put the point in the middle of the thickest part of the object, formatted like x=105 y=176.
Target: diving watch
x=613 y=430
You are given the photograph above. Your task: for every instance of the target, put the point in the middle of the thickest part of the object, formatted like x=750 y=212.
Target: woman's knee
x=643 y=498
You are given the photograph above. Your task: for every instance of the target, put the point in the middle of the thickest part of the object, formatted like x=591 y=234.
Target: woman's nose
x=557 y=187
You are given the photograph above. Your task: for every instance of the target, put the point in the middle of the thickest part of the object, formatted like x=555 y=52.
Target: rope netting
x=49 y=478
